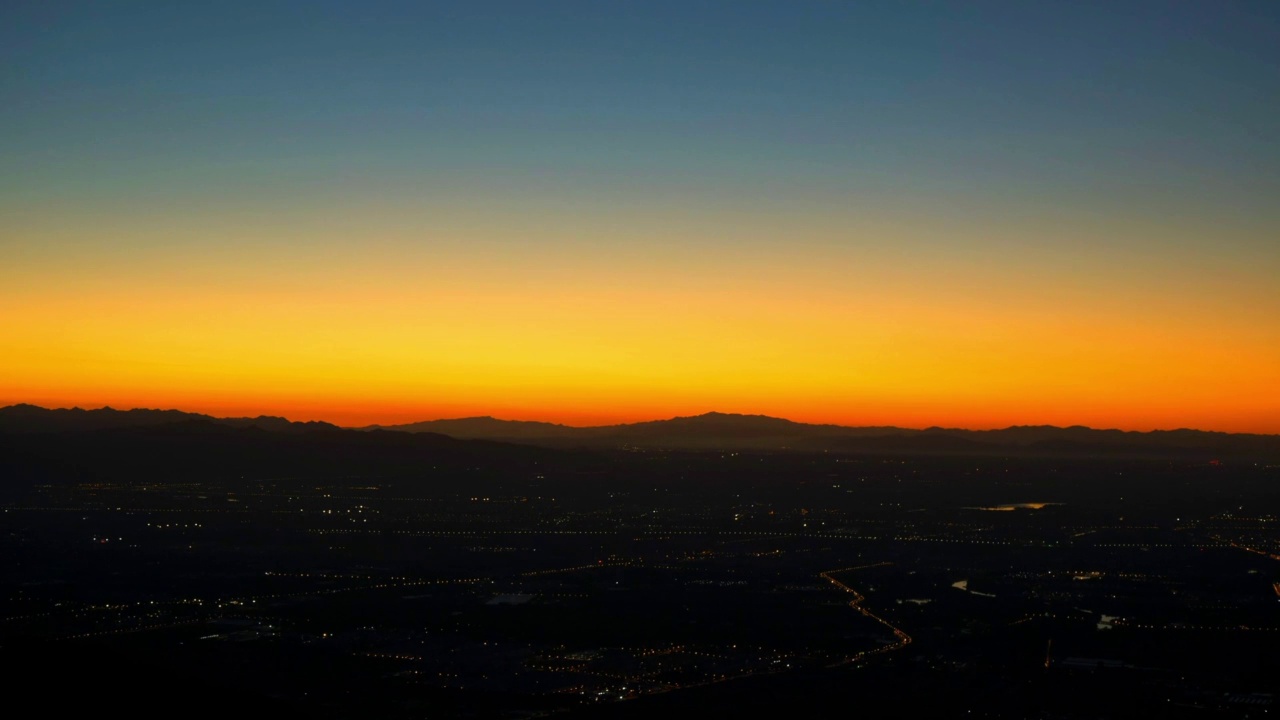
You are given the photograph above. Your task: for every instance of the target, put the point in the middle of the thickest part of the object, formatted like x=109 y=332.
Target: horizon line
x=637 y=422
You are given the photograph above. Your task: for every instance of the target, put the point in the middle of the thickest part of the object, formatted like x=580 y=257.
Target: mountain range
x=721 y=431
x=710 y=431
x=34 y=419
x=88 y=445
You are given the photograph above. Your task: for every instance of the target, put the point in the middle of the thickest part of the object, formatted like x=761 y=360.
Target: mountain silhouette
x=31 y=419
x=260 y=437
x=727 y=431
x=210 y=451
x=163 y=445
x=485 y=427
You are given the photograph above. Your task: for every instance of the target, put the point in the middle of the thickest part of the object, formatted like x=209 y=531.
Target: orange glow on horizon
x=897 y=415
x=391 y=333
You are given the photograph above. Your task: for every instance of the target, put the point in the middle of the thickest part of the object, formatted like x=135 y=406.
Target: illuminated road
x=903 y=638
x=1246 y=548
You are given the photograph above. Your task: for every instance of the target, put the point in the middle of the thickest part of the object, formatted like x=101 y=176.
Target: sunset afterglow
x=365 y=219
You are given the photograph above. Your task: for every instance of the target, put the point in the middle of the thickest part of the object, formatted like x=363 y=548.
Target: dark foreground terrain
x=202 y=571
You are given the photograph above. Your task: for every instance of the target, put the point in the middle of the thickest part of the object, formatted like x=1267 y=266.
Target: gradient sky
x=964 y=214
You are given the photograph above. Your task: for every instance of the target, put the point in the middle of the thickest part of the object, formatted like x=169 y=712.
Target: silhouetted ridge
x=708 y=431
x=728 y=431
x=204 y=448
x=33 y=419
x=484 y=427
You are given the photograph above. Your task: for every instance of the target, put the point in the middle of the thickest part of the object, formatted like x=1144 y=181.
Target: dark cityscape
x=498 y=580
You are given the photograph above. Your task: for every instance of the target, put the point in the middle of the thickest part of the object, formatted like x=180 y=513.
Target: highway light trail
x=903 y=639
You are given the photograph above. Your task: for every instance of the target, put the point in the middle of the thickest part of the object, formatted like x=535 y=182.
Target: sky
x=972 y=214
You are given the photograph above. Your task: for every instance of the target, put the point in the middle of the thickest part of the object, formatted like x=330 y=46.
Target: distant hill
x=21 y=419
x=487 y=428
x=710 y=431
x=721 y=431
x=195 y=448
